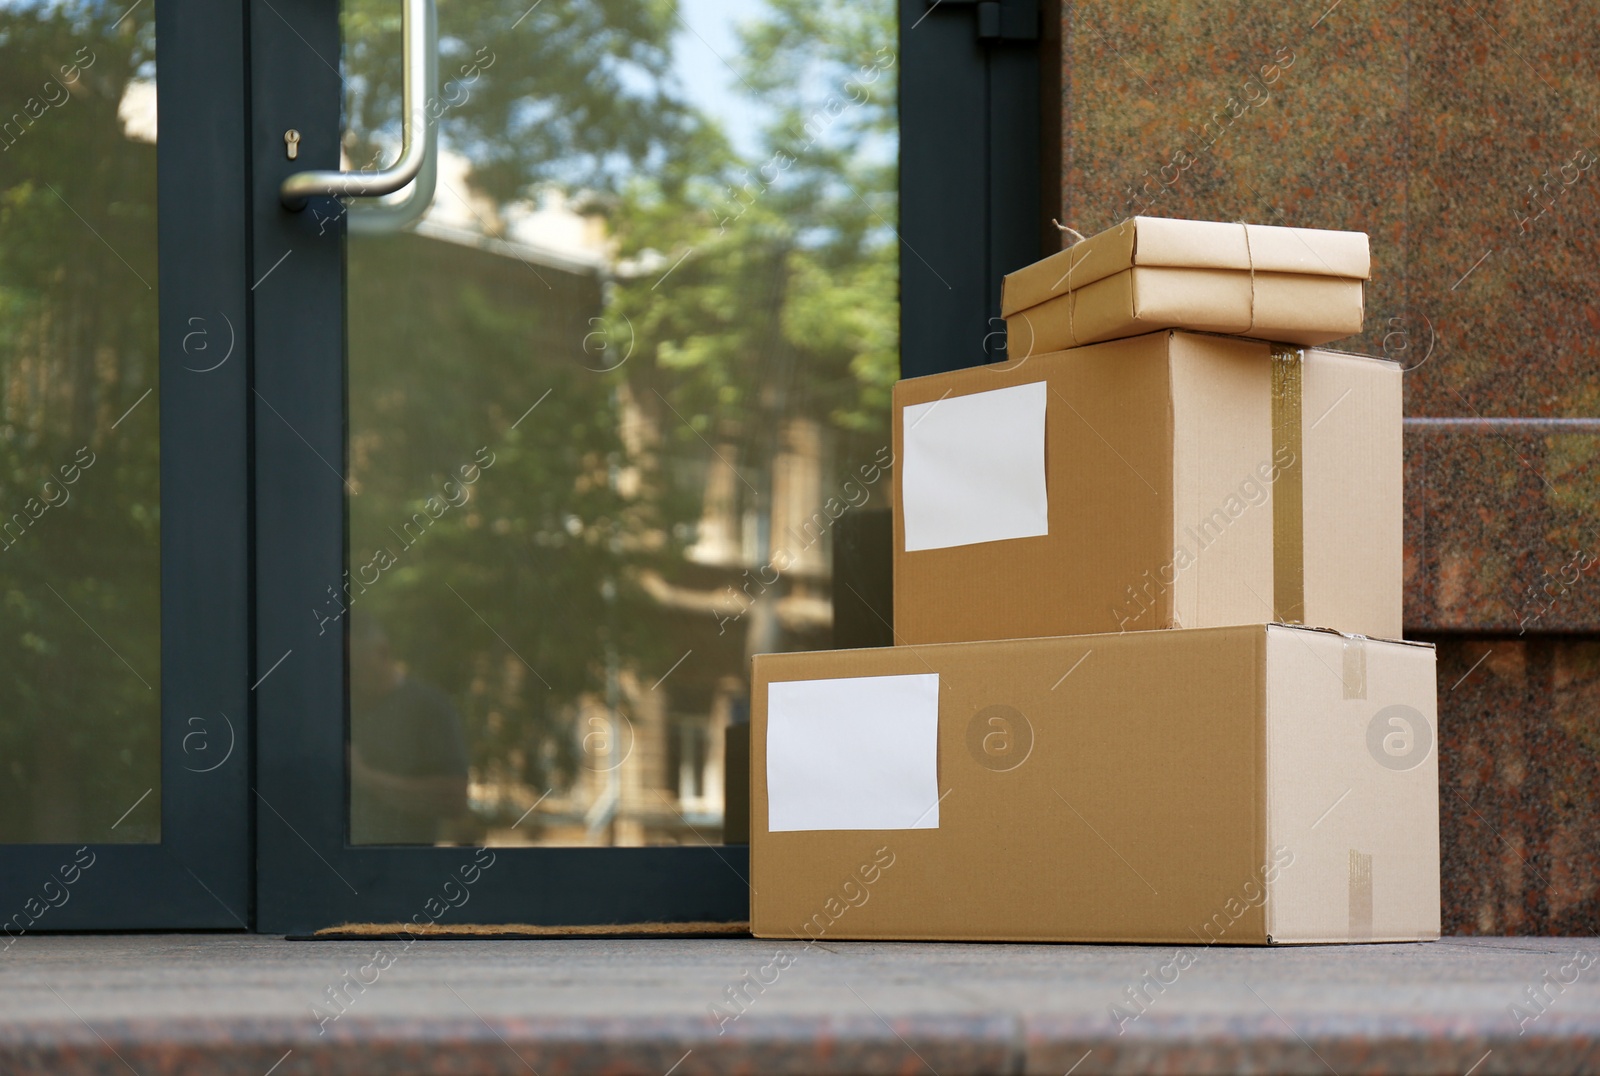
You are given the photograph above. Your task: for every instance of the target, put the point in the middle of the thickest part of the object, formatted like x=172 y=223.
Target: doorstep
x=220 y=1004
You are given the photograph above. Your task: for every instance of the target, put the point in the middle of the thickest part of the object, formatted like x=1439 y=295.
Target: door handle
x=419 y=47
x=381 y=216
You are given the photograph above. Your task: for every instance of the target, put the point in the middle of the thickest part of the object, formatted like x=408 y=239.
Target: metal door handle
x=419 y=37
x=382 y=216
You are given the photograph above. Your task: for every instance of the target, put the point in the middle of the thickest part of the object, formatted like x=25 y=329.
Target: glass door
x=124 y=703
x=353 y=548
x=607 y=398
x=554 y=437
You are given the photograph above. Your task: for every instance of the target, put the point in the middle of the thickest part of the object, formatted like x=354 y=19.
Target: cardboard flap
x=1352 y=448
x=1188 y=244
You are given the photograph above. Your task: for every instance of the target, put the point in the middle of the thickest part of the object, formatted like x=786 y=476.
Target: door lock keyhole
x=291 y=143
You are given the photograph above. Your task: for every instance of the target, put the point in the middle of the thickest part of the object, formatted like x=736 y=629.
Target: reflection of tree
x=778 y=316
x=751 y=301
x=784 y=305
x=541 y=527
x=576 y=95
x=780 y=310
x=79 y=732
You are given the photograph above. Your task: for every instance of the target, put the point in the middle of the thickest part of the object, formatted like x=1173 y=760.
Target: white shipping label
x=974 y=468
x=854 y=753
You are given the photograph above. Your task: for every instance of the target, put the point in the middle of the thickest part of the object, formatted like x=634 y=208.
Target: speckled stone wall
x=1463 y=139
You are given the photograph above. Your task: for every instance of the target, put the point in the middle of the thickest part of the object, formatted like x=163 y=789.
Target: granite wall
x=1464 y=139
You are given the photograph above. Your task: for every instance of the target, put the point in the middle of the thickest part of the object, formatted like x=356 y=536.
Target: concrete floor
x=222 y=1004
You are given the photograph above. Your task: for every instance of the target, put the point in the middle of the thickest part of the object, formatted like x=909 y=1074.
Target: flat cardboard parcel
x=1258 y=784
x=1296 y=285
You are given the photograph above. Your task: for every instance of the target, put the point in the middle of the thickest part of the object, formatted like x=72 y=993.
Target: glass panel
x=80 y=592
x=608 y=401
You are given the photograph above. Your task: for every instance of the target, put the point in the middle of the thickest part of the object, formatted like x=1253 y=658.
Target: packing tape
x=1288 y=487
x=1360 y=896
x=1355 y=667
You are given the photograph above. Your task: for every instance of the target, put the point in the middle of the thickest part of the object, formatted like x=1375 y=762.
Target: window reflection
x=408 y=749
x=654 y=305
x=80 y=659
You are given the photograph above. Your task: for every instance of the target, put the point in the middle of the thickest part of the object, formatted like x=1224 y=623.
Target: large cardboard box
x=1168 y=480
x=1245 y=785
x=1293 y=285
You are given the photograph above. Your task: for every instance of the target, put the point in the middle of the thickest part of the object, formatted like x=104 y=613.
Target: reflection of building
x=731 y=597
x=652 y=753
x=649 y=741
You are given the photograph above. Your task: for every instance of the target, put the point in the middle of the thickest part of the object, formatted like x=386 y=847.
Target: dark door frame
x=308 y=876
x=970 y=192
x=198 y=876
x=977 y=168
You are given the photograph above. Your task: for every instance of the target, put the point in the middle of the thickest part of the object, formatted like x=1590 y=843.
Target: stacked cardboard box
x=1148 y=683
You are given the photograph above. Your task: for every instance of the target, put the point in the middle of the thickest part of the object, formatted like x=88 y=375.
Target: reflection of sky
x=107 y=10
x=703 y=48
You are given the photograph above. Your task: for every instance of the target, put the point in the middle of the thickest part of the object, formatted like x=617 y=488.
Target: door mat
x=465 y=931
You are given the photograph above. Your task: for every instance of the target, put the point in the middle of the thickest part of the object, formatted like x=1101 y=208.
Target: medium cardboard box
x=1292 y=285
x=1169 y=480
x=1244 y=785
